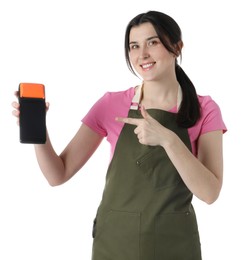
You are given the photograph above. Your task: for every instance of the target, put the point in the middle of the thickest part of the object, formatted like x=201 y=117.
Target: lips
x=148 y=66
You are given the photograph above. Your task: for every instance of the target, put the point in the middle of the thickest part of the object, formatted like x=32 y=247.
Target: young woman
x=166 y=146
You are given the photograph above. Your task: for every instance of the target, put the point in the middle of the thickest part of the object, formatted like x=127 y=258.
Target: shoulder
x=206 y=102
x=211 y=116
x=101 y=115
x=210 y=120
x=115 y=102
x=208 y=106
x=113 y=99
x=123 y=95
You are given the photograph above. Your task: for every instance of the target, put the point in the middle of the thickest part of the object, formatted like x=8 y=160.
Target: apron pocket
x=158 y=168
x=177 y=237
x=117 y=236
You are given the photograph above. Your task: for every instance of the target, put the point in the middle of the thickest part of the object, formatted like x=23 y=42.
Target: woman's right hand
x=16 y=111
x=15 y=105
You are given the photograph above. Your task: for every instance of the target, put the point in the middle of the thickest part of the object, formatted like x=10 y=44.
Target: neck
x=157 y=94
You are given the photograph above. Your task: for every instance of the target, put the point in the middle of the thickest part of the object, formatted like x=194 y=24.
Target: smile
x=148 y=65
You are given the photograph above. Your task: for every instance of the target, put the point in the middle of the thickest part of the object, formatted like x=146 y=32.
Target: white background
x=76 y=49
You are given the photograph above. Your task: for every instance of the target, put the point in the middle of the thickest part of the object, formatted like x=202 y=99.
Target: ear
x=178 y=47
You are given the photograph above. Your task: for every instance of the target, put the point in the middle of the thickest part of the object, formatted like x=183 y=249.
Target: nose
x=144 y=54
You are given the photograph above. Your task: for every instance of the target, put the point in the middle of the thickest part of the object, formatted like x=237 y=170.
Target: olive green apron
x=146 y=211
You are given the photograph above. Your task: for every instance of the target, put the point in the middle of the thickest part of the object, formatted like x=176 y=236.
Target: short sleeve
x=95 y=116
x=211 y=116
x=101 y=117
x=210 y=120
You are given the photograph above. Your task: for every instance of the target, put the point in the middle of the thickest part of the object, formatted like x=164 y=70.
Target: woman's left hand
x=148 y=130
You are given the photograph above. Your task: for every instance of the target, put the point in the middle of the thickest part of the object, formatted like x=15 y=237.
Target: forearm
x=50 y=163
x=202 y=182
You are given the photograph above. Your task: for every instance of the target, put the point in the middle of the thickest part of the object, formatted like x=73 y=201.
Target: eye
x=134 y=46
x=152 y=43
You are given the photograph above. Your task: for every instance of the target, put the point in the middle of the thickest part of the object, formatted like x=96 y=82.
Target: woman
x=166 y=146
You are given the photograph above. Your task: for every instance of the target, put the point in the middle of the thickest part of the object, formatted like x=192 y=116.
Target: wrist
x=169 y=140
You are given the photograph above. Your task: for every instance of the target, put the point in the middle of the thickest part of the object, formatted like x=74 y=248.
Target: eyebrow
x=148 y=39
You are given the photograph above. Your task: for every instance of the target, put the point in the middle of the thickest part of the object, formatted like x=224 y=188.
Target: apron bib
x=146 y=211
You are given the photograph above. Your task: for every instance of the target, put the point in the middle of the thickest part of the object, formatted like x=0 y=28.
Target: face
x=148 y=56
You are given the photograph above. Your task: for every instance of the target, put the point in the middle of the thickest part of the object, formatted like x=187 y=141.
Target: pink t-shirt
x=101 y=117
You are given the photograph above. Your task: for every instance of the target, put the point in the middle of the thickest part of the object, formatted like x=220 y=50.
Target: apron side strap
x=136 y=99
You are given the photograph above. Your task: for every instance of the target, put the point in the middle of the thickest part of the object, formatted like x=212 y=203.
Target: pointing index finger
x=128 y=120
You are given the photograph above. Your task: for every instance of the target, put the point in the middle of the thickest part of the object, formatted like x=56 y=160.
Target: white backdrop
x=76 y=49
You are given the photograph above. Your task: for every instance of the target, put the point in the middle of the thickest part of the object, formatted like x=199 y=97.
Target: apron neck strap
x=135 y=104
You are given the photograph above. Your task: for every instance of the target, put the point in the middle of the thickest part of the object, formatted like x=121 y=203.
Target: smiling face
x=148 y=56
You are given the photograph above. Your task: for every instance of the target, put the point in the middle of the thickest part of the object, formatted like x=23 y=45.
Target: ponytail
x=189 y=112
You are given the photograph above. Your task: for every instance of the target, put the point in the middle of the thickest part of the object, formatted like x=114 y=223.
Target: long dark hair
x=170 y=35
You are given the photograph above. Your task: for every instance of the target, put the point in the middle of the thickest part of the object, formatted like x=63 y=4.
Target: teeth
x=145 y=66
